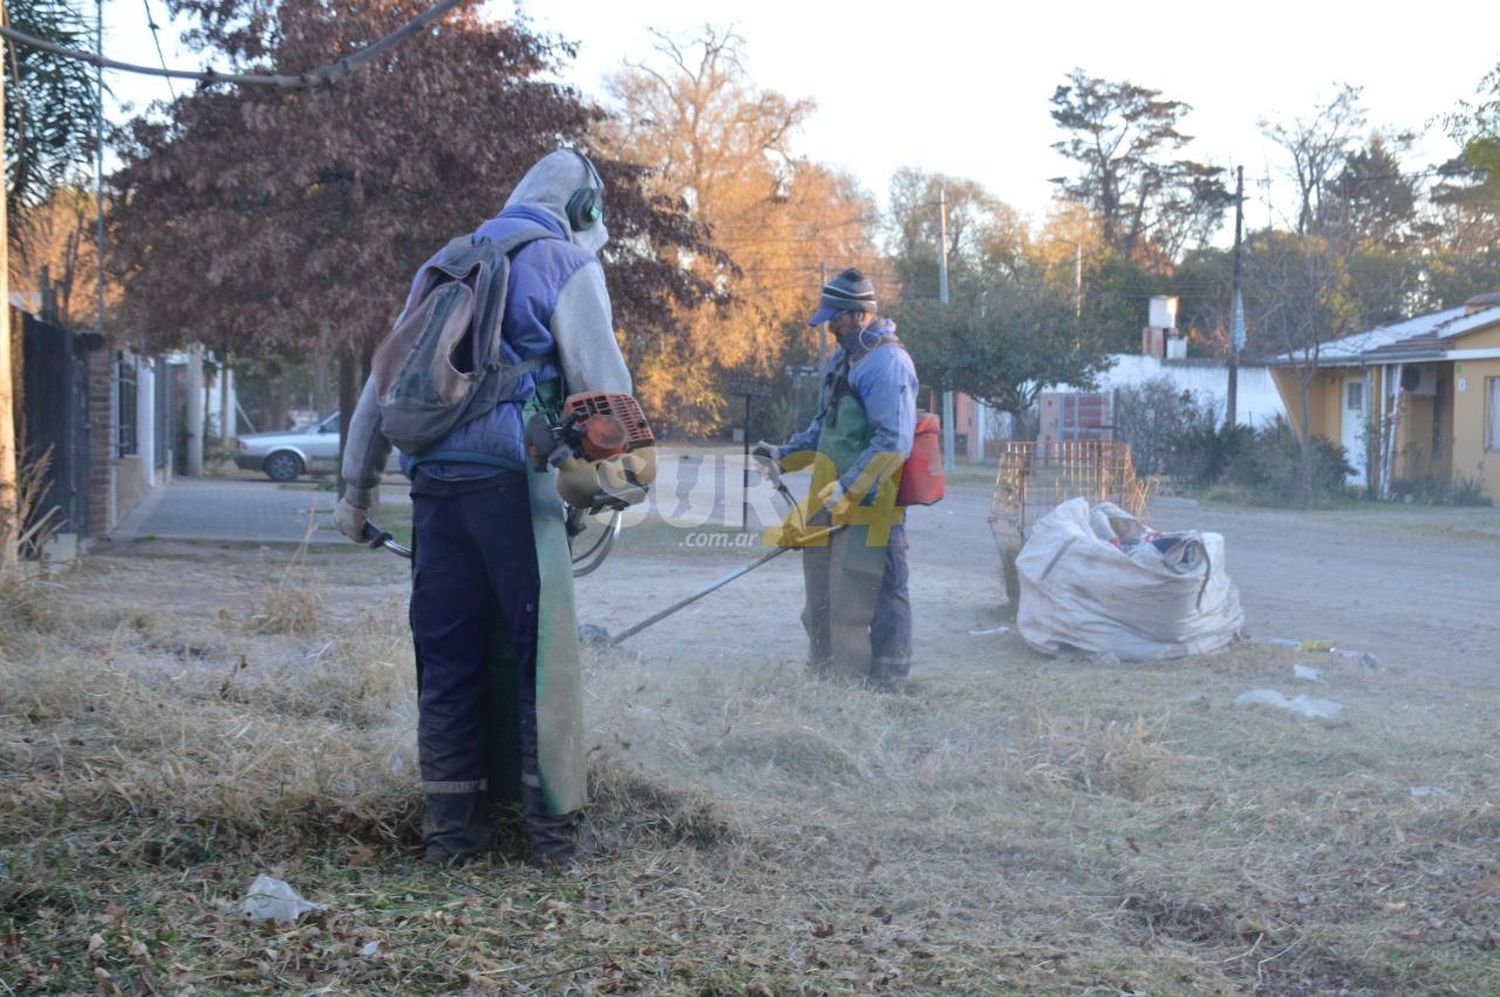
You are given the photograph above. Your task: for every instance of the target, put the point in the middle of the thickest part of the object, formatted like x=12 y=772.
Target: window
x=125 y=419
x=1354 y=396
x=1492 y=413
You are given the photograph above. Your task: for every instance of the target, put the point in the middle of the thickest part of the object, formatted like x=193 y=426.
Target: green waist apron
x=844 y=574
x=561 y=757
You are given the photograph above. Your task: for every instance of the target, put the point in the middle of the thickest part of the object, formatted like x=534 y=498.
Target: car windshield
x=330 y=424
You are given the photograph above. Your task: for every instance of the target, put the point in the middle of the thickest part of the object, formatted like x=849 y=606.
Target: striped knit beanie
x=850 y=291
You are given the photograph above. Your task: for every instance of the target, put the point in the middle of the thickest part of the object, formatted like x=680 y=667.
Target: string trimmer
x=378 y=538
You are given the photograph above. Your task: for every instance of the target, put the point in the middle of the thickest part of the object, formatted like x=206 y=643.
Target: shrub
x=1210 y=451
x=1467 y=490
x=1161 y=422
x=1461 y=490
x=1271 y=467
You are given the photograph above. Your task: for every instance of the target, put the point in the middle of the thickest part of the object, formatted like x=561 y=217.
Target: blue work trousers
x=475 y=568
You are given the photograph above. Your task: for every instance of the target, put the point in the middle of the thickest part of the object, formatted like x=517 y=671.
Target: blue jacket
x=884 y=383
x=539 y=271
x=556 y=304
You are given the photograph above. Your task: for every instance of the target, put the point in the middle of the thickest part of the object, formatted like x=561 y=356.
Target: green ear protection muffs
x=586 y=204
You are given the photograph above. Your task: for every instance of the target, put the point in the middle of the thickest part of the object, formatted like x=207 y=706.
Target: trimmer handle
x=377 y=538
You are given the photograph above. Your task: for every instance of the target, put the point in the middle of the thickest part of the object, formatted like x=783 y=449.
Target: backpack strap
x=841 y=384
x=509 y=246
x=865 y=349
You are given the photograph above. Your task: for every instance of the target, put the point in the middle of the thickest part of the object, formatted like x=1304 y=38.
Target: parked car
x=291 y=453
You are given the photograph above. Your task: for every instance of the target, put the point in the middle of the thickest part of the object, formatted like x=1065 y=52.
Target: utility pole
x=948 y=439
x=1237 y=304
x=10 y=528
x=99 y=164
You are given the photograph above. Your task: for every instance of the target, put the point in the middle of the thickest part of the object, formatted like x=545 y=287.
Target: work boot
x=455 y=828
x=556 y=839
x=889 y=675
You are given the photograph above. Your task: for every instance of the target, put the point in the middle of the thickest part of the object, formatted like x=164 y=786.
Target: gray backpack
x=442 y=365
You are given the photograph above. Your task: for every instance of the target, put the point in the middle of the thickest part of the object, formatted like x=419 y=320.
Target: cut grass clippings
x=1011 y=824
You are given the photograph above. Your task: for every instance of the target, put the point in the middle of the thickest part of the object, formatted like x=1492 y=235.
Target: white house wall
x=1259 y=402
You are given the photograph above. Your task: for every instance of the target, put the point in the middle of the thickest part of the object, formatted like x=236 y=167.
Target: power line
x=327 y=74
x=156 y=37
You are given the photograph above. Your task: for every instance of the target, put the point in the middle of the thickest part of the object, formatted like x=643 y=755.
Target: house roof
x=1423 y=337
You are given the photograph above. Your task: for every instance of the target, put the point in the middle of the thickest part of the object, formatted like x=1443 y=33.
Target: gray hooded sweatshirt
x=556 y=303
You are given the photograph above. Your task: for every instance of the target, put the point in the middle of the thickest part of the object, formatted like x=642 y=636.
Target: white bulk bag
x=1081 y=593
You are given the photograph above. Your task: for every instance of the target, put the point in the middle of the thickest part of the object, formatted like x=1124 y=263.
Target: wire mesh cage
x=1033 y=478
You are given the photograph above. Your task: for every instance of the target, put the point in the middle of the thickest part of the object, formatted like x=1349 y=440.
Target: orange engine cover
x=609 y=423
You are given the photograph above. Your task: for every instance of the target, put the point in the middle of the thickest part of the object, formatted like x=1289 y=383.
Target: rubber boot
x=455 y=828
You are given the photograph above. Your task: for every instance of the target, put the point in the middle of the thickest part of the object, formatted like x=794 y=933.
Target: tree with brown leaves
x=269 y=221
x=722 y=147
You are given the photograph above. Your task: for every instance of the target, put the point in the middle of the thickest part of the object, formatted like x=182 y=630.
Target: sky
x=964 y=89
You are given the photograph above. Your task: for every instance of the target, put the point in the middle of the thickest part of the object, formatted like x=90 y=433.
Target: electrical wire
x=323 y=75
x=156 y=38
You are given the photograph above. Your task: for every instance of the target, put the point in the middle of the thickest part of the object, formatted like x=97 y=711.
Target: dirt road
x=1417 y=587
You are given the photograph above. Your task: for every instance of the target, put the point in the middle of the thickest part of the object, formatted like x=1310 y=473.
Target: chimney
x=1161 y=326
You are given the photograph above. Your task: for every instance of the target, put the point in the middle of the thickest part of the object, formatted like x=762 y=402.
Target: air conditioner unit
x=1419 y=382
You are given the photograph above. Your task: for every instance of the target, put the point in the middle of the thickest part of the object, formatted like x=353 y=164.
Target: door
x=1354 y=427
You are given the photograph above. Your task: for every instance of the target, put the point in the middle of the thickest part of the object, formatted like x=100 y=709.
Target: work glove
x=765 y=457
x=349 y=519
x=831 y=499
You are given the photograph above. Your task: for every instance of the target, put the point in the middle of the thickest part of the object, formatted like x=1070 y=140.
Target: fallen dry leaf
x=105 y=983
x=96 y=942
x=822 y=930
x=1489 y=885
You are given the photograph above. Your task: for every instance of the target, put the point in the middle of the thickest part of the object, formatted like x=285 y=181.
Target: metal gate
x=55 y=420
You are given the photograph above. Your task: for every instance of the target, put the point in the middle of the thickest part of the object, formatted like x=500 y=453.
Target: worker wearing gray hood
x=492 y=591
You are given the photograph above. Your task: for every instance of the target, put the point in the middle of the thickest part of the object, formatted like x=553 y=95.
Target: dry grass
x=290 y=601
x=1020 y=825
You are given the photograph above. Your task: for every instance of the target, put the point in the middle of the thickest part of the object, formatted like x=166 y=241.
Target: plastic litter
x=990 y=630
x=271 y=899
x=370 y=948
x=1366 y=660
x=1307 y=674
x=1284 y=642
x=1323 y=709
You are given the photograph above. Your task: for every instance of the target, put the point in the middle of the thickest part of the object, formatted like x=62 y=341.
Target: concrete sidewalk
x=237 y=509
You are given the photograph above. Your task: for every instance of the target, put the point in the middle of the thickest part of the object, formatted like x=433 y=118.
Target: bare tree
x=721 y=146
x=1301 y=303
x=1318 y=146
